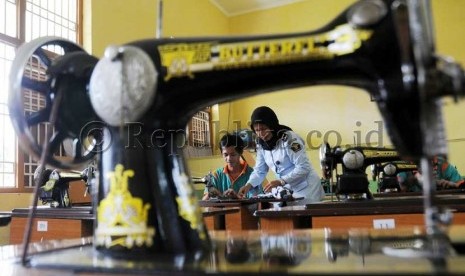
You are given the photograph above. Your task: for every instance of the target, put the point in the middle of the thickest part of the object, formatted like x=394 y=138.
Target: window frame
x=190 y=148
x=204 y=138
x=16 y=42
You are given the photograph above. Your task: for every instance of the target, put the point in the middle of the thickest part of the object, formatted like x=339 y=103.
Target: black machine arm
x=392 y=168
x=355 y=159
x=379 y=52
x=389 y=181
x=143 y=93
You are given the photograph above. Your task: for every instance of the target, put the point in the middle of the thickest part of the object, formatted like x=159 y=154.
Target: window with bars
x=22 y=21
x=33 y=102
x=7 y=137
x=199 y=134
x=199 y=129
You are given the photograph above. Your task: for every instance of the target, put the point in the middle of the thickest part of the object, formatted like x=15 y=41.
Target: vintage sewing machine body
x=207 y=180
x=353 y=182
x=131 y=106
x=388 y=182
x=54 y=185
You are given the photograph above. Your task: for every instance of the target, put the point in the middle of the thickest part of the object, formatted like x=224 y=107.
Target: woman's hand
x=271 y=185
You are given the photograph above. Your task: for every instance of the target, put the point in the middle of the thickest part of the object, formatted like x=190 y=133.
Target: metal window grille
x=51 y=17
x=33 y=102
x=200 y=129
x=199 y=135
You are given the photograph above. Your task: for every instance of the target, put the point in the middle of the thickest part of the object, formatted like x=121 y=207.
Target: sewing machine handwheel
x=41 y=175
x=324 y=148
x=325 y=162
x=42 y=69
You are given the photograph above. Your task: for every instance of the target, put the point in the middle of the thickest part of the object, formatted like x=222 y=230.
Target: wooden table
x=241 y=220
x=410 y=194
x=214 y=217
x=52 y=223
x=377 y=213
x=244 y=219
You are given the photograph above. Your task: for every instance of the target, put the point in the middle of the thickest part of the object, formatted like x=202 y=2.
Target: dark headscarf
x=265 y=115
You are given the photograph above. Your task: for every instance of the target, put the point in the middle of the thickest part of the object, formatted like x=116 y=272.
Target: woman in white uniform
x=283 y=151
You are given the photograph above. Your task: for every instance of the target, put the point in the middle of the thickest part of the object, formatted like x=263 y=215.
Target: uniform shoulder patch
x=284 y=137
x=295 y=147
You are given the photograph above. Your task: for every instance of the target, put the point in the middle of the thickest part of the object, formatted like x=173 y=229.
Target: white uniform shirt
x=289 y=161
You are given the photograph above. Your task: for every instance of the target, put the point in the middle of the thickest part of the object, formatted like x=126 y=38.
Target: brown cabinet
x=51 y=224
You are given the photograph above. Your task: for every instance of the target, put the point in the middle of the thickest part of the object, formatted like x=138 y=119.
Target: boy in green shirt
x=226 y=181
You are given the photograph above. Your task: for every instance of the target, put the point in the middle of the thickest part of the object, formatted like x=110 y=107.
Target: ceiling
x=237 y=7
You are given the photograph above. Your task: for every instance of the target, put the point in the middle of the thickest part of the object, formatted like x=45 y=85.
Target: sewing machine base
x=353 y=197
x=307 y=252
x=389 y=185
x=352 y=184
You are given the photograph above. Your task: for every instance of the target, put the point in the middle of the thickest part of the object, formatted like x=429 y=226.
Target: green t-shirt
x=444 y=170
x=222 y=181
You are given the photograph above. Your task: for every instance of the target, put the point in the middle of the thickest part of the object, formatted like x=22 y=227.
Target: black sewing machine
x=139 y=95
x=386 y=174
x=54 y=185
x=352 y=183
x=207 y=180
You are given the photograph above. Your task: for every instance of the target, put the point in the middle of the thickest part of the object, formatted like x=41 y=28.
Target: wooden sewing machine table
x=383 y=212
x=244 y=219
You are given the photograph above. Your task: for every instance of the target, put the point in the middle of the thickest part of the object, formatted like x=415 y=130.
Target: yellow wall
x=297 y=17
x=9 y=202
x=346 y=110
x=117 y=22
x=193 y=18
x=121 y=21
x=450 y=38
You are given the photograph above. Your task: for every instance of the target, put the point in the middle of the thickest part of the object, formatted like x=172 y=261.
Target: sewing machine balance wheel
x=52 y=71
x=325 y=149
